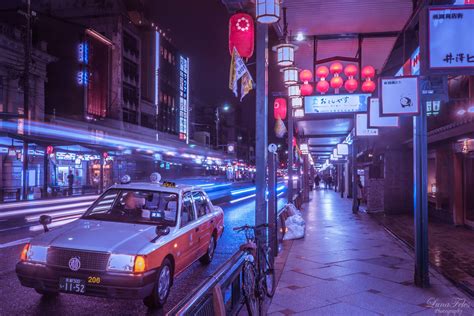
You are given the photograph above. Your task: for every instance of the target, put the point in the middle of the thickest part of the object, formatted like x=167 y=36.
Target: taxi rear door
x=188 y=241
x=205 y=221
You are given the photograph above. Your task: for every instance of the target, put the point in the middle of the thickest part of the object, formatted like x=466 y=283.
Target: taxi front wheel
x=207 y=258
x=161 y=290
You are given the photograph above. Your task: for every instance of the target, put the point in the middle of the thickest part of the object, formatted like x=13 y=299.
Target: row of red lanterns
x=336 y=82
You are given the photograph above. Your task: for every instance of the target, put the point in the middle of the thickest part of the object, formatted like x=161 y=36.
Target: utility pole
x=217 y=127
x=261 y=132
x=26 y=96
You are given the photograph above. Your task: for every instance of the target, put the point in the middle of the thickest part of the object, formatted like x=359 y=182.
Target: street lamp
x=225 y=108
x=268 y=11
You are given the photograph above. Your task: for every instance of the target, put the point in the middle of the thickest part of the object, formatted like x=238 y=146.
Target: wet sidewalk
x=350 y=265
x=451 y=248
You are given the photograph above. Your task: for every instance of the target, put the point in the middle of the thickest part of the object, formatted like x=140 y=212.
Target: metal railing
x=221 y=292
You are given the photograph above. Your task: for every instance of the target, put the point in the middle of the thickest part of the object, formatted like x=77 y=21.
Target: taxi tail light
x=139 y=265
x=24 y=252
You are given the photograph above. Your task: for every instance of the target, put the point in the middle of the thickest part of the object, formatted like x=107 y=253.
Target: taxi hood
x=102 y=236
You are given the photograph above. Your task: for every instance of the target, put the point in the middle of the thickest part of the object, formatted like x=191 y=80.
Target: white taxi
x=131 y=243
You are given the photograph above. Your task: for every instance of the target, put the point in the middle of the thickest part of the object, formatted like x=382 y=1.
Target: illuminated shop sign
x=75 y=157
x=83 y=59
x=342 y=149
x=183 y=98
x=341 y=103
x=362 y=126
x=450 y=37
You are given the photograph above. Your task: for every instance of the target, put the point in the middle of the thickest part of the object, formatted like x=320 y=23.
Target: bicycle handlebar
x=250 y=227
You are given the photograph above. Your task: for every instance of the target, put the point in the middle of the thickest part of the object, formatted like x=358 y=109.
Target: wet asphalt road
x=18 y=300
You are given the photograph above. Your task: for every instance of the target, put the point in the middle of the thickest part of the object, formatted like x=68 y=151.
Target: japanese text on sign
x=445 y=49
x=336 y=103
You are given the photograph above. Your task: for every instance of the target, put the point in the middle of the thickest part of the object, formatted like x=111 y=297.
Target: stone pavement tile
x=366 y=282
x=300 y=280
x=380 y=304
x=332 y=271
x=333 y=290
x=274 y=307
x=339 y=309
x=299 y=300
x=296 y=262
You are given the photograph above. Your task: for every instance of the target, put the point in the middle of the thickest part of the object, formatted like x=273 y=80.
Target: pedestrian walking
x=70 y=182
x=360 y=192
x=317 y=180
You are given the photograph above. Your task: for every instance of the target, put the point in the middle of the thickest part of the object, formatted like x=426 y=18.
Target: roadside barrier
x=221 y=293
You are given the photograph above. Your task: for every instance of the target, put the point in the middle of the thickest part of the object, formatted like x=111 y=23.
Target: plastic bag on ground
x=292 y=210
x=295 y=227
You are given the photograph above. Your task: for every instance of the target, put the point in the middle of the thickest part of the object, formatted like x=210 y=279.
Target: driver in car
x=131 y=206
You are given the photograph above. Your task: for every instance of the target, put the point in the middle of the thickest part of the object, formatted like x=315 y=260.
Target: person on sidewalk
x=70 y=182
x=317 y=180
x=360 y=189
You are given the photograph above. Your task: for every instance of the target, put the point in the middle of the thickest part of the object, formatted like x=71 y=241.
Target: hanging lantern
x=294 y=91
x=306 y=89
x=350 y=71
x=306 y=76
x=241 y=34
x=49 y=150
x=336 y=82
x=351 y=85
x=290 y=75
x=279 y=108
x=285 y=54
x=268 y=11
x=296 y=103
x=280 y=128
x=368 y=72
x=368 y=86
x=322 y=72
x=322 y=86
x=335 y=68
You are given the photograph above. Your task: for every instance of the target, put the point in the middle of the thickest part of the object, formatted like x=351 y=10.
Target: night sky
x=199 y=29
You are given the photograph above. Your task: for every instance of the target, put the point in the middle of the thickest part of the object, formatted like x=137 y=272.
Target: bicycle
x=258 y=280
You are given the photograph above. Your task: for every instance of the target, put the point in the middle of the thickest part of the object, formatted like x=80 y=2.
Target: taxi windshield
x=135 y=206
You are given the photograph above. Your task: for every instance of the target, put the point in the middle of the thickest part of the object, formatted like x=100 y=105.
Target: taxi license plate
x=72 y=285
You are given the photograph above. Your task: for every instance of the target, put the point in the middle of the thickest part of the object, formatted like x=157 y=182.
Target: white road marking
x=15 y=243
x=43 y=209
x=48 y=202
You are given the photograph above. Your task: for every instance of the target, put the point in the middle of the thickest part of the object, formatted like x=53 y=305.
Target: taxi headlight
x=37 y=254
x=121 y=263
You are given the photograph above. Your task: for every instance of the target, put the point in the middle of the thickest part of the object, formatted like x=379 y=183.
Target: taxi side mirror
x=160 y=231
x=45 y=220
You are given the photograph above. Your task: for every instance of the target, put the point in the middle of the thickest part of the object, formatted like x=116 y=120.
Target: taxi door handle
x=212 y=221
x=197 y=229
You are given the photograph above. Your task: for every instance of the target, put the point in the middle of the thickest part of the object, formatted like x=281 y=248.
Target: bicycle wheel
x=248 y=286
x=269 y=275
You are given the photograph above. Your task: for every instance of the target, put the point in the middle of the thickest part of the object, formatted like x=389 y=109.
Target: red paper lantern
x=336 y=82
x=306 y=75
x=350 y=70
x=322 y=72
x=322 y=86
x=306 y=89
x=368 y=86
x=368 y=72
x=336 y=68
x=279 y=108
x=49 y=150
x=241 y=34
x=351 y=85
